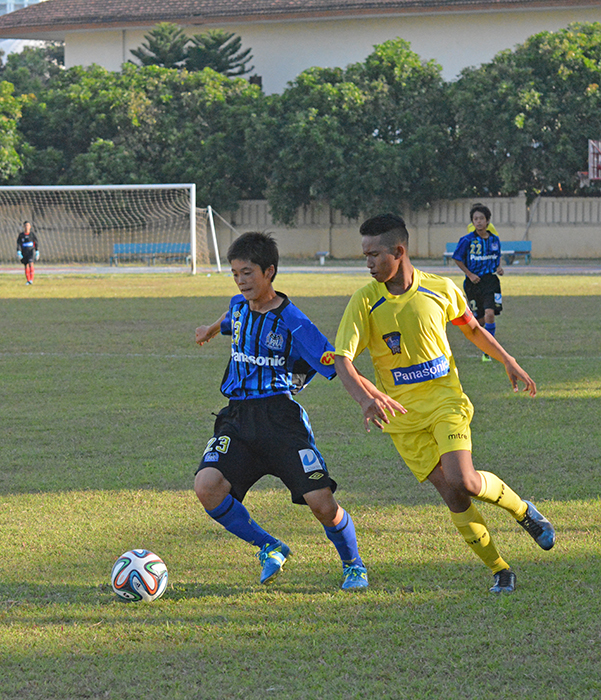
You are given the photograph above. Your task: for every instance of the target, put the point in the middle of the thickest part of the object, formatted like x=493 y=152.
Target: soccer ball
x=139 y=575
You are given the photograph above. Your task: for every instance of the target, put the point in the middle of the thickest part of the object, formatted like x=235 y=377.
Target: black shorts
x=484 y=295
x=272 y=435
x=26 y=259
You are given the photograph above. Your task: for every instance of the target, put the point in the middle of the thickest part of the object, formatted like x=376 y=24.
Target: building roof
x=59 y=16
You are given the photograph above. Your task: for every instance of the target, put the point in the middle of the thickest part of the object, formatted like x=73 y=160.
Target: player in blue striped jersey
x=275 y=351
x=478 y=255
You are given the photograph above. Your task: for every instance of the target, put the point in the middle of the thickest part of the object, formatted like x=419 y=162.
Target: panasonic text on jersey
x=260 y=361
x=422 y=372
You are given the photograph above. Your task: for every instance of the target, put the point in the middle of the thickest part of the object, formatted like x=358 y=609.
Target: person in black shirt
x=28 y=250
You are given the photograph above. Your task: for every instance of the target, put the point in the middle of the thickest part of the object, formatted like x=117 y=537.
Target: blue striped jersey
x=277 y=352
x=480 y=255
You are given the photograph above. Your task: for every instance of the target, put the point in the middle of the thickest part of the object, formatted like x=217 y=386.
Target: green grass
x=105 y=406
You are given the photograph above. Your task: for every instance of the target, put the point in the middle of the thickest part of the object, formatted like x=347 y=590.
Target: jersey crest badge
x=327 y=358
x=274 y=341
x=393 y=340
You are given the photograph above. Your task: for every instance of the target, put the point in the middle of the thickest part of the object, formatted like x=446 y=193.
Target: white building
x=288 y=36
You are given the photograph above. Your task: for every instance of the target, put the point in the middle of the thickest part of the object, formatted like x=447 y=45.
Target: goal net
x=107 y=225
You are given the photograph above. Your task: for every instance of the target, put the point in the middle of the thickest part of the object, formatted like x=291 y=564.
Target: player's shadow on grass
x=395 y=579
x=51 y=595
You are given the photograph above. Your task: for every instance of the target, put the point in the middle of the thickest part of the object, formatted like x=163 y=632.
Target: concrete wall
x=566 y=227
x=283 y=49
x=558 y=227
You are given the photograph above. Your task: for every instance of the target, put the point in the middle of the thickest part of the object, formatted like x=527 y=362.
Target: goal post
x=109 y=224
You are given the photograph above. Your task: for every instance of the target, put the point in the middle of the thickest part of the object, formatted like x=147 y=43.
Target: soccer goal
x=110 y=224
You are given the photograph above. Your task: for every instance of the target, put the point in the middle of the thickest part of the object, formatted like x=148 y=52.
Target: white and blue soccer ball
x=139 y=575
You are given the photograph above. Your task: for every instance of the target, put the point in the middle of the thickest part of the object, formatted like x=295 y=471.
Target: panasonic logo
x=423 y=372
x=260 y=361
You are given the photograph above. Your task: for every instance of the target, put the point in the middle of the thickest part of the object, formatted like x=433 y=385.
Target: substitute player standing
x=27 y=250
x=478 y=255
x=275 y=351
x=400 y=317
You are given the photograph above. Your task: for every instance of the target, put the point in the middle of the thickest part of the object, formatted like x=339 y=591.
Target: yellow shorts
x=421 y=448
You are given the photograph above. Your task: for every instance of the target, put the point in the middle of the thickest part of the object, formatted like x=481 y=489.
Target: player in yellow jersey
x=401 y=317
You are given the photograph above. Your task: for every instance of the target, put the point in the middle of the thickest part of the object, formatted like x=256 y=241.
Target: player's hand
x=203 y=335
x=19 y=255
x=378 y=408
x=474 y=278
x=500 y=271
x=516 y=374
x=37 y=255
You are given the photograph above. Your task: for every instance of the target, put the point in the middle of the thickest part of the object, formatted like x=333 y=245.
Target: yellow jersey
x=406 y=338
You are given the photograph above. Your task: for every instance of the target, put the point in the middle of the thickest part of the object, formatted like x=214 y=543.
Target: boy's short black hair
x=483 y=209
x=390 y=226
x=256 y=247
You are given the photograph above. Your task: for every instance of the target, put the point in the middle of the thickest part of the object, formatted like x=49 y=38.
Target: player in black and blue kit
x=275 y=351
x=478 y=255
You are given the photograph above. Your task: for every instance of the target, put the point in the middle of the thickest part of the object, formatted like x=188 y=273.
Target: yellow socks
x=472 y=527
x=499 y=494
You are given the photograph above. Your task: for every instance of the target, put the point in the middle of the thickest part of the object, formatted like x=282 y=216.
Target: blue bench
x=149 y=252
x=510 y=250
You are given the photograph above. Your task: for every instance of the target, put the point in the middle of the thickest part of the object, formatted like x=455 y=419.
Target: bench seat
x=149 y=252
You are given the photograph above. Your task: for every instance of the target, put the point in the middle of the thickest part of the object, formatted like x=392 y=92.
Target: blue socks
x=343 y=537
x=236 y=519
x=491 y=328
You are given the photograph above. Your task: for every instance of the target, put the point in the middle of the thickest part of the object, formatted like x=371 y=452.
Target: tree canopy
x=144 y=125
x=523 y=120
x=219 y=50
x=366 y=138
x=32 y=69
x=10 y=112
x=382 y=134
x=167 y=46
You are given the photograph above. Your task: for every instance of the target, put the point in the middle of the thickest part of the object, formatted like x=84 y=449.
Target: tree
x=219 y=50
x=524 y=119
x=145 y=125
x=374 y=136
x=10 y=112
x=165 y=46
x=32 y=69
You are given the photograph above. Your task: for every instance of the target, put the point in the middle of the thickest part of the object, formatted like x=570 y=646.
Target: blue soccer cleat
x=504 y=582
x=354 y=577
x=272 y=558
x=538 y=527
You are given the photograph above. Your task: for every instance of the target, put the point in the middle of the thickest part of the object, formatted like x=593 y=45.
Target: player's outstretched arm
x=205 y=333
x=376 y=405
x=483 y=340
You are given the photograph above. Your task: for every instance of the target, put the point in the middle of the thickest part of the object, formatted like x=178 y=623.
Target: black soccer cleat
x=504 y=582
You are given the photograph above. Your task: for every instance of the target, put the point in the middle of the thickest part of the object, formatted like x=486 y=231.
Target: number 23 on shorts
x=222 y=445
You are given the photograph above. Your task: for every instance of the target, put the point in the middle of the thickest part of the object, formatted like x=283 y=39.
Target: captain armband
x=463 y=320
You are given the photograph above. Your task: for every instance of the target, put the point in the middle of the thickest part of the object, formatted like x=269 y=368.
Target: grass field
x=106 y=405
